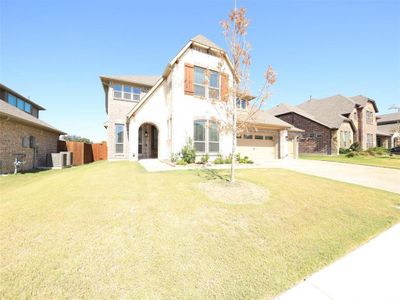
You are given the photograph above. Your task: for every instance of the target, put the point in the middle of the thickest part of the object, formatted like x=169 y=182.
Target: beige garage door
x=257 y=147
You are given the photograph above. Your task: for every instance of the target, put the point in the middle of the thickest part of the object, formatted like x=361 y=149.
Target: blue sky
x=54 y=51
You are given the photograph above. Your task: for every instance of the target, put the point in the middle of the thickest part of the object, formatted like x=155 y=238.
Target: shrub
x=219 y=160
x=181 y=162
x=228 y=159
x=352 y=154
x=377 y=151
x=243 y=160
x=204 y=159
x=355 y=147
x=344 y=150
x=188 y=152
x=175 y=157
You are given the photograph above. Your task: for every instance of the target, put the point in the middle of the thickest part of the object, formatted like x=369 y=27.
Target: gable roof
x=387 y=118
x=330 y=110
x=285 y=108
x=198 y=40
x=135 y=79
x=265 y=118
x=387 y=129
x=15 y=113
x=201 y=39
x=362 y=101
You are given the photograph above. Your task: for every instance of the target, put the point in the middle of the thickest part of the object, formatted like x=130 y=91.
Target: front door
x=148 y=141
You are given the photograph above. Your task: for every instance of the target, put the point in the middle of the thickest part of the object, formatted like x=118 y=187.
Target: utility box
x=59 y=160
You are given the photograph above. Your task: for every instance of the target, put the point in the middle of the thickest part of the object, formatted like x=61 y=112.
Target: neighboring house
x=332 y=123
x=388 y=134
x=155 y=116
x=22 y=134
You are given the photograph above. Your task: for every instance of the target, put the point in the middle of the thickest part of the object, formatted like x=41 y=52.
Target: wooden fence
x=84 y=153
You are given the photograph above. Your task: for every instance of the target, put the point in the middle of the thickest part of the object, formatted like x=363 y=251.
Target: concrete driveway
x=374 y=177
x=369 y=272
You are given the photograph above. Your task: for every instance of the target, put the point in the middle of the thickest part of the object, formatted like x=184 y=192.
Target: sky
x=55 y=51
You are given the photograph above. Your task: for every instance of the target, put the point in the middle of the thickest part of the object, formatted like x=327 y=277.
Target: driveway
x=369 y=272
x=374 y=177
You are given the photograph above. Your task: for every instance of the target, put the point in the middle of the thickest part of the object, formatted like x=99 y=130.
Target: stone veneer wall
x=11 y=134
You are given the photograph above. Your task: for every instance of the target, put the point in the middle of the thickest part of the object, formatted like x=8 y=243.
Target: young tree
x=235 y=32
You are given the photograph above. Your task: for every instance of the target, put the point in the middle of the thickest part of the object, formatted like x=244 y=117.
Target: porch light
x=146 y=134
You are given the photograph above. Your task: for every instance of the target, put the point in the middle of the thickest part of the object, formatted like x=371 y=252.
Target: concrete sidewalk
x=369 y=272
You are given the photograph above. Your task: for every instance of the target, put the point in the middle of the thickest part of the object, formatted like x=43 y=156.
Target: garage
x=258 y=146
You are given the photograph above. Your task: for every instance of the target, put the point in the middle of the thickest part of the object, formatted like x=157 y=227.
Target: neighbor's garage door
x=257 y=147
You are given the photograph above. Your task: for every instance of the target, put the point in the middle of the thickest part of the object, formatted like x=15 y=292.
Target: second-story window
x=126 y=92
x=117 y=91
x=369 y=117
x=241 y=103
x=213 y=89
x=199 y=81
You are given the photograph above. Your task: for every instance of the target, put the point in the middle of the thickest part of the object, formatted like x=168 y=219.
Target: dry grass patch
x=239 y=192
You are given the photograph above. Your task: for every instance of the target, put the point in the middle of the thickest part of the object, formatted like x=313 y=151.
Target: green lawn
x=111 y=230
x=386 y=162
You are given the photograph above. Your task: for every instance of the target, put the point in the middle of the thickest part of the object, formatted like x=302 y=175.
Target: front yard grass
x=368 y=160
x=112 y=230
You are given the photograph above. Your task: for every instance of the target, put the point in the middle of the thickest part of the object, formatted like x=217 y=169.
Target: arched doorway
x=148 y=141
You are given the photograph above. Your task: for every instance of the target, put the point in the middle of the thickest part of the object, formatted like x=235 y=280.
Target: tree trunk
x=232 y=179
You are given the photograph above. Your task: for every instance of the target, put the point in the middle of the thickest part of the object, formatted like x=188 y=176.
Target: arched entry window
x=147 y=141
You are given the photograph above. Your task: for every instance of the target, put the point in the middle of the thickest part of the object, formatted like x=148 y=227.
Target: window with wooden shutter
x=189 y=79
x=224 y=87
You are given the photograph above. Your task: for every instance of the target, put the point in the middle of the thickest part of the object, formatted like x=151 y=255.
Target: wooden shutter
x=224 y=87
x=189 y=79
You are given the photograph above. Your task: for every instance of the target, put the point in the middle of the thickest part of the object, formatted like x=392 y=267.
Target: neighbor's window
x=117 y=91
x=119 y=138
x=213 y=137
x=20 y=103
x=199 y=81
x=199 y=135
x=12 y=100
x=370 y=140
x=213 y=89
x=369 y=117
x=27 y=107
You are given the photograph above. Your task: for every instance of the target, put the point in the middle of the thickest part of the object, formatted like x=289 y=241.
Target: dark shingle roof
x=362 y=100
x=285 y=108
x=386 y=118
x=329 y=110
x=19 y=115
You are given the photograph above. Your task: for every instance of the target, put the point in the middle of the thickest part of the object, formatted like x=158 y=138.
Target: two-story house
x=155 y=116
x=332 y=123
x=22 y=134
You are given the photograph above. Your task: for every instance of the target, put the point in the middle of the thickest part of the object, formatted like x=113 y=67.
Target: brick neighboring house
x=388 y=134
x=22 y=133
x=332 y=123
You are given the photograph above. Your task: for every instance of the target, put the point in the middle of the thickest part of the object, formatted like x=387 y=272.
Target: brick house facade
x=316 y=137
x=23 y=134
